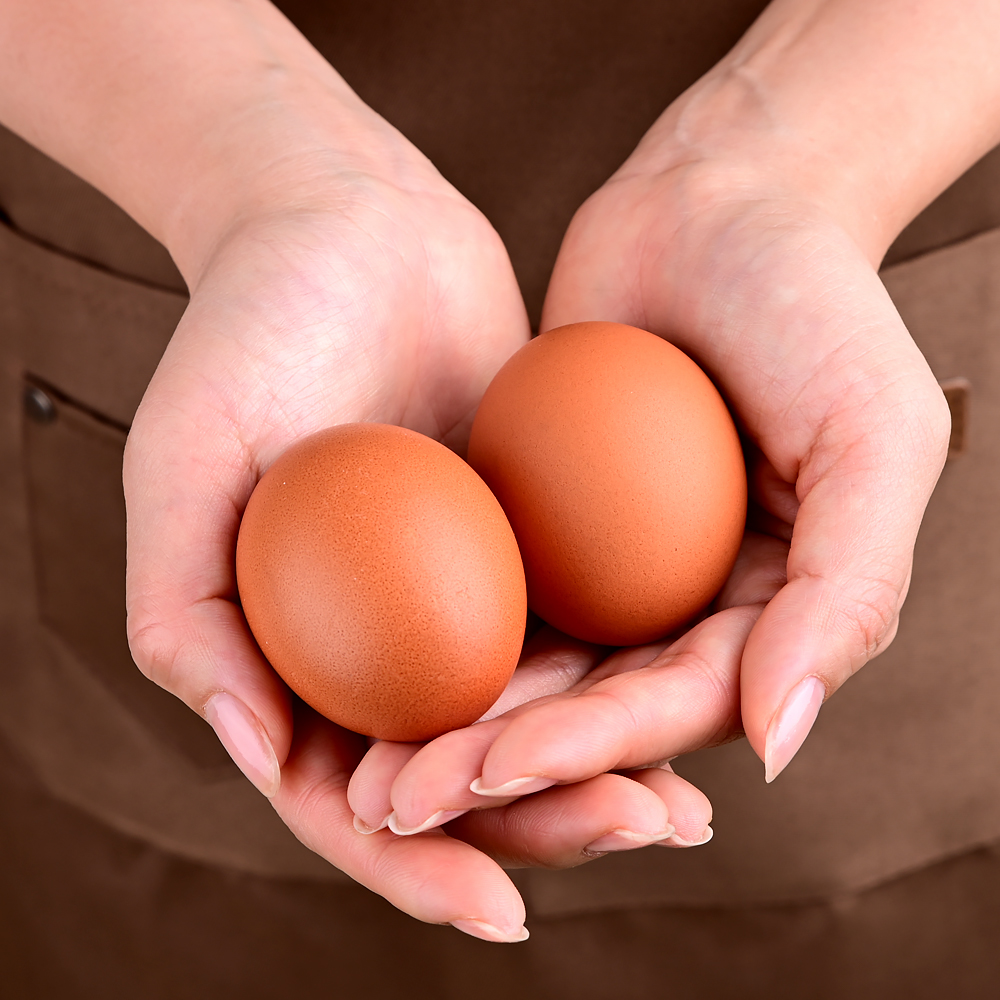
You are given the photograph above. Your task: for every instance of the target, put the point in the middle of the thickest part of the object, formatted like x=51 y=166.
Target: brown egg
x=382 y=581
x=621 y=473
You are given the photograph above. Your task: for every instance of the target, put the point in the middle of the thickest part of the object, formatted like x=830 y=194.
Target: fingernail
x=676 y=841
x=626 y=840
x=439 y=818
x=516 y=786
x=790 y=727
x=487 y=932
x=244 y=738
x=362 y=827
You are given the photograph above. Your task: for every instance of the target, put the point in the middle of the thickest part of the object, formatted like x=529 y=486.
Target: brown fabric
x=527 y=108
x=72 y=464
x=90 y=914
x=70 y=696
x=58 y=209
x=969 y=207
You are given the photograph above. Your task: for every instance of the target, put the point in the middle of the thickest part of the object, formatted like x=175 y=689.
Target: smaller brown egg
x=382 y=581
x=622 y=475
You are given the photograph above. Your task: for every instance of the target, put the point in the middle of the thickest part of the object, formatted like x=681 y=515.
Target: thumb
x=849 y=563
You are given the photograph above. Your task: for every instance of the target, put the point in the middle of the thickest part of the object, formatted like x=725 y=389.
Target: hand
x=378 y=296
x=848 y=434
x=731 y=257
x=847 y=427
x=335 y=276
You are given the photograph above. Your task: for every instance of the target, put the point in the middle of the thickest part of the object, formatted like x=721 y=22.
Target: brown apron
x=527 y=108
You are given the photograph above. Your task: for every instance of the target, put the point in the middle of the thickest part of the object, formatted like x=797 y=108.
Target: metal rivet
x=38 y=405
x=956 y=392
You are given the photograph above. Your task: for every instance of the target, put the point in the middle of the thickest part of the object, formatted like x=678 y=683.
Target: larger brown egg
x=622 y=475
x=382 y=581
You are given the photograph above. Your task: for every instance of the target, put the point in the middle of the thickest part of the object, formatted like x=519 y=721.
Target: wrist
x=858 y=114
x=298 y=152
x=724 y=142
x=191 y=115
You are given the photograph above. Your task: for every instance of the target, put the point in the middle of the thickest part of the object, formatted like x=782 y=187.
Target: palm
x=845 y=429
x=397 y=307
x=340 y=316
x=846 y=423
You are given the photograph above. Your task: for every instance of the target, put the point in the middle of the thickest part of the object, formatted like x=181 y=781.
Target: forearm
x=187 y=114
x=866 y=109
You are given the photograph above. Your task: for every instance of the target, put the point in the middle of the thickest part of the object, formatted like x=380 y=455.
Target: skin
x=335 y=276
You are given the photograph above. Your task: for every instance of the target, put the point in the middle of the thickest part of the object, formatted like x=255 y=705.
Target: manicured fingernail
x=241 y=733
x=626 y=840
x=676 y=841
x=362 y=827
x=439 y=818
x=790 y=727
x=487 y=932
x=516 y=786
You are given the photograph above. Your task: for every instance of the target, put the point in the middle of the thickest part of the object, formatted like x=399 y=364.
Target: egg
x=382 y=581
x=621 y=472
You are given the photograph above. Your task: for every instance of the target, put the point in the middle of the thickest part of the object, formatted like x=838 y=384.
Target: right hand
x=377 y=295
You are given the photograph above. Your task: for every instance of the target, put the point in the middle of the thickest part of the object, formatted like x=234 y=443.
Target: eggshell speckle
x=382 y=581
x=621 y=472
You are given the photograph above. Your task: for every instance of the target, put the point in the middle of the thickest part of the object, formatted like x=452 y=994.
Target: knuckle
x=154 y=649
x=932 y=428
x=717 y=692
x=872 y=615
x=303 y=813
x=927 y=417
x=938 y=415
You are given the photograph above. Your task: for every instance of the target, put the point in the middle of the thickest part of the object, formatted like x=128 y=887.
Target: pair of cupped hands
x=371 y=290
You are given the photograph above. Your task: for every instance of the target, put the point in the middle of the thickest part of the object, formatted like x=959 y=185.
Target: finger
x=689 y=808
x=368 y=790
x=863 y=481
x=433 y=786
x=848 y=572
x=569 y=825
x=432 y=877
x=443 y=779
x=687 y=697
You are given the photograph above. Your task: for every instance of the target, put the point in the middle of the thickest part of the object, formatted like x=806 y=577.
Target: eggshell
x=621 y=472
x=382 y=581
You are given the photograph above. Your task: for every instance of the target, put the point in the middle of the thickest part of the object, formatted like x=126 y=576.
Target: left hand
x=848 y=430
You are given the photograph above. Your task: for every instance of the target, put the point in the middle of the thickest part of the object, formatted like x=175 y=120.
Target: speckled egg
x=382 y=581
x=621 y=472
